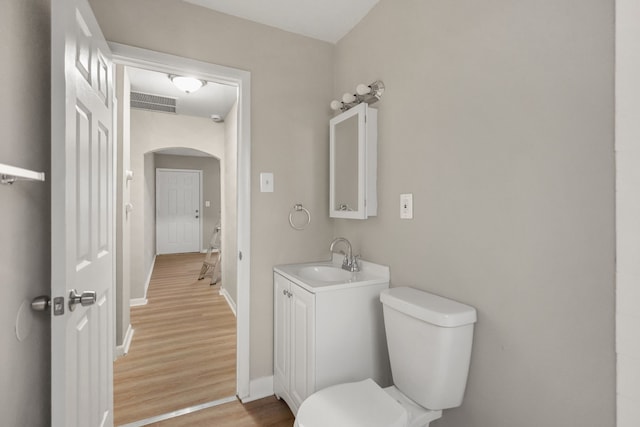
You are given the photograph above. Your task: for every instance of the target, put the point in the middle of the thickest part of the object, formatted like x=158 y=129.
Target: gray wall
x=498 y=117
x=123 y=220
x=229 y=170
x=149 y=209
x=210 y=167
x=24 y=217
x=501 y=112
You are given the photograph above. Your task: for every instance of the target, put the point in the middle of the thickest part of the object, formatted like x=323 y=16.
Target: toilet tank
x=429 y=339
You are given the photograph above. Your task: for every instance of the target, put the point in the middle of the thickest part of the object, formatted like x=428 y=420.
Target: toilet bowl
x=429 y=340
x=362 y=404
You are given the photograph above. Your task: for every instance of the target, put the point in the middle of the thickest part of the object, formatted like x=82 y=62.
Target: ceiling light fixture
x=364 y=93
x=187 y=84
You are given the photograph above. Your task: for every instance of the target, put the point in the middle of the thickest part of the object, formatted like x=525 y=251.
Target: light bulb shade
x=187 y=84
x=362 y=89
x=348 y=98
x=336 y=105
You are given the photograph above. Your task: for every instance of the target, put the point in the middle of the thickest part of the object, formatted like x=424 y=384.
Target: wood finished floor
x=183 y=354
x=260 y=413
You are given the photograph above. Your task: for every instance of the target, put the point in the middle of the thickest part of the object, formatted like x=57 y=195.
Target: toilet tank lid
x=428 y=307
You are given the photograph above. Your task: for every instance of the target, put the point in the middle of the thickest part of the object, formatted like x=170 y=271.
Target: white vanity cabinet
x=326 y=335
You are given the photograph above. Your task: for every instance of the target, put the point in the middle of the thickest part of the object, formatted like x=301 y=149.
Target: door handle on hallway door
x=84 y=299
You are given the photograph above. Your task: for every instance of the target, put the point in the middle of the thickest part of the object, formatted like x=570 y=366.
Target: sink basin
x=324 y=273
x=324 y=276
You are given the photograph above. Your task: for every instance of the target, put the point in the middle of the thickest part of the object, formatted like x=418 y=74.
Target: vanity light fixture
x=364 y=93
x=186 y=84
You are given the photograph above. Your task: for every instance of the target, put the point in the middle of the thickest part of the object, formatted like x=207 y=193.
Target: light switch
x=406 y=206
x=207 y=204
x=266 y=182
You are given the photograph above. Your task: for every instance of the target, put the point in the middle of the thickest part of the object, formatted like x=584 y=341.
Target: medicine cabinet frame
x=367 y=159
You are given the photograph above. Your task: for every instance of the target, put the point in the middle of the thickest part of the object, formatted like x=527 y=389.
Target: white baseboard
x=135 y=302
x=123 y=349
x=146 y=285
x=259 y=388
x=232 y=304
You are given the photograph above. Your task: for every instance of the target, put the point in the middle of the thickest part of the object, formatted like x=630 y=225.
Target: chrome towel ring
x=299 y=208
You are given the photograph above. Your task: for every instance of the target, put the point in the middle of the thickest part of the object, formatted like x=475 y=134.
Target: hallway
x=183 y=351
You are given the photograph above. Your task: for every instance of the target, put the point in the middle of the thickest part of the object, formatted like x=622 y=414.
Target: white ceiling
x=327 y=20
x=213 y=98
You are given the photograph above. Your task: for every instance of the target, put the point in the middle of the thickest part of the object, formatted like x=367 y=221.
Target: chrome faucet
x=350 y=262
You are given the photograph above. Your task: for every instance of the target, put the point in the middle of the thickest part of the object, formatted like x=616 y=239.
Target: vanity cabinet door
x=293 y=342
x=281 y=336
x=302 y=344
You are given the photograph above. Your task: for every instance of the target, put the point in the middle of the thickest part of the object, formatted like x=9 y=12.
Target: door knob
x=41 y=303
x=84 y=299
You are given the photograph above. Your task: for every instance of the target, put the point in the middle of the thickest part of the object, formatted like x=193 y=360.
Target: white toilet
x=429 y=339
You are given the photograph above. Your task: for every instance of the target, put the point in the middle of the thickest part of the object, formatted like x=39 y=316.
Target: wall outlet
x=266 y=182
x=207 y=204
x=406 y=206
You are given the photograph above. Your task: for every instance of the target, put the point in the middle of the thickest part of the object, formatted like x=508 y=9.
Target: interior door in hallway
x=178 y=211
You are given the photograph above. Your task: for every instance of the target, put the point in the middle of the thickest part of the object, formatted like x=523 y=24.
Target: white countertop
x=369 y=274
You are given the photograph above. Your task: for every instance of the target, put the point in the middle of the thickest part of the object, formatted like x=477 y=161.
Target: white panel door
x=178 y=215
x=82 y=220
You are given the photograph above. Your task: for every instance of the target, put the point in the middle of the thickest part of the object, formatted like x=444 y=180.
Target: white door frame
x=627 y=207
x=171 y=64
x=200 y=192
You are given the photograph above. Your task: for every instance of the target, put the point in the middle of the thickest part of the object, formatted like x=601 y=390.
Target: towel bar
x=10 y=174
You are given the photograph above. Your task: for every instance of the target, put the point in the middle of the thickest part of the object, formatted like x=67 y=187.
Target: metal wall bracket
x=10 y=174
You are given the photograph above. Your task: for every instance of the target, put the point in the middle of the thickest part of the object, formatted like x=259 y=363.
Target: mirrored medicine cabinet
x=353 y=144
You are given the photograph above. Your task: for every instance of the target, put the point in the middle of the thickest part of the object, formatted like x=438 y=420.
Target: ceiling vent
x=145 y=101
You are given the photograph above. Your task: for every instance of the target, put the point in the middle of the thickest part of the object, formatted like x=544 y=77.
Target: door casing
x=171 y=64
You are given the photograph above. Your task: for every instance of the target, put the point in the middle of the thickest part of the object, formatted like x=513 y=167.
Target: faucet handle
x=354 y=263
x=351 y=264
x=346 y=262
